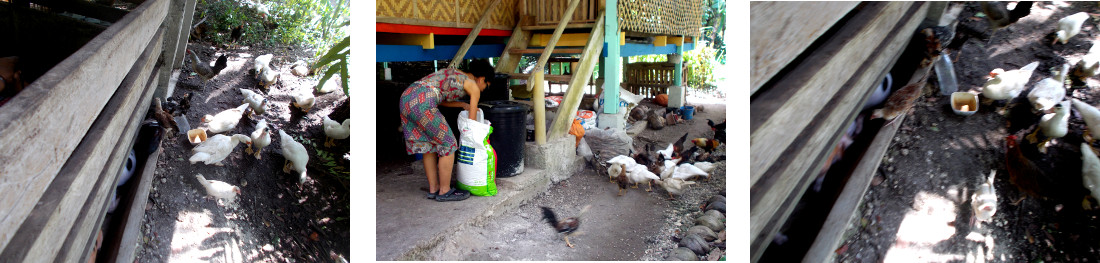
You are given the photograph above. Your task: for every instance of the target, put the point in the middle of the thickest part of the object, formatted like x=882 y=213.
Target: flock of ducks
x=215 y=149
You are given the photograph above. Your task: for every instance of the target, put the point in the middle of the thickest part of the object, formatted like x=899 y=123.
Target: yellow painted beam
x=427 y=41
x=677 y=40
x=566 y=40
x=660 y=41
x=622 y=38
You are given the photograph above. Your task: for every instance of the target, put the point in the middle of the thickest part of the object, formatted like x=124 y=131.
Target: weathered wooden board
x=37 y=126
x=793 y=121
x=53 y=216
x=178 y=28
x=780 y=31
x=81 y=239
x=508 y=60
x=844 y=210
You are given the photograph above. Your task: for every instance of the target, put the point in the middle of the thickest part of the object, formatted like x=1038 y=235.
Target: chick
x=304 y=100
x=621 y=178
x=295 y=154
x=261 y=62
x=1090 y=173
x=1069 y=26
x=1088 y=66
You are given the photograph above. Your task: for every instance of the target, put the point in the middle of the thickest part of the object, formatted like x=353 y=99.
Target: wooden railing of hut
x=65 y=137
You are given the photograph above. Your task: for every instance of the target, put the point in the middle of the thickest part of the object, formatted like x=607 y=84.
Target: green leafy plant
x=336 y=60
x=308 y=23
x=699 y=67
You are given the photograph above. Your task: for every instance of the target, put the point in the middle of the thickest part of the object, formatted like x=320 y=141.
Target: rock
x=715 y=214
x=720 y=206
x=696 y=243
x=703 y=232
x=713 y=223
x=717 y=198
x=715 y=255
x=682 y=254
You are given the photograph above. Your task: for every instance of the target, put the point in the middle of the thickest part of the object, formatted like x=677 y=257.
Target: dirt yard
x=276 y=219
x=918 y=207
x=639 y=225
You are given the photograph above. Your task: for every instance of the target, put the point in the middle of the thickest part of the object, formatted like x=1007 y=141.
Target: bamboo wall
x=449 y=13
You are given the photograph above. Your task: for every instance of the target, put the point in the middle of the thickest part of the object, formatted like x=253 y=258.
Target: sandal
x=453 y=195
x=432 y=195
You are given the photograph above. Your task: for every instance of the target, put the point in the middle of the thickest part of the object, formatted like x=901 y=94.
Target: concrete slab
x=409 y=224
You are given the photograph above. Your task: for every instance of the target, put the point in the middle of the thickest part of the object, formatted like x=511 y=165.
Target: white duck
x=336 y=131
x=1053 y=125
x=1049 y=91
x=1089 y=65
x=984 y=200
x=673 y=185
x=255 y=101
x=1090 y=172
x=705 y=166
x=688 y=171
x=1069 y=26
x=304 y=100
x=639 y=173
x=219 y=189
x=1004 y=85
x=261 y=138
x=619 y=161
x=1091 y=116
x=295 y=154
x=267 y=77
x=215 y=149
x=225 y=120
x=260 y=63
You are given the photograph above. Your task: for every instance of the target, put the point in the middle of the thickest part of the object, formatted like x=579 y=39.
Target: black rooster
x=566 y=226
x=719 y=130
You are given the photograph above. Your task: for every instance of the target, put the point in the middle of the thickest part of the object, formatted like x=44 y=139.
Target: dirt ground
x=918 y=206
x=639 y=225
x=276 y=219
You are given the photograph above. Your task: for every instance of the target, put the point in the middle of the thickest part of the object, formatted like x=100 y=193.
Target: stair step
x=556 y=78
x=539 y=50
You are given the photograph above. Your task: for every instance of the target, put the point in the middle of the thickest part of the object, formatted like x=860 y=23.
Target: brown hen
x=1021 y=171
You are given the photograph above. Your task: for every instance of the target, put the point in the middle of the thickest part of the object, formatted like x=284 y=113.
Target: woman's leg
x=446 y=163
x=430 y=164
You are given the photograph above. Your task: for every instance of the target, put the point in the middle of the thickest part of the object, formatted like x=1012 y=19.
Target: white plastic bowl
x=964 y=103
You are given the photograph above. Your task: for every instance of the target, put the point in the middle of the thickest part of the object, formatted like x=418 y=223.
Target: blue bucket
x=688 y=112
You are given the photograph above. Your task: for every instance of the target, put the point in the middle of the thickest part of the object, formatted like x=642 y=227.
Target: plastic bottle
x=945 y=73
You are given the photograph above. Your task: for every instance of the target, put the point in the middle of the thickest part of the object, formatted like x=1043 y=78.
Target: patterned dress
x=424 y=127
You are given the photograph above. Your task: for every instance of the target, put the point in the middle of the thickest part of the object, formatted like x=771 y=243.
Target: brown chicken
x=900 y=101
x=567 y=226
x=707 y=144
x=164 y=118
x=10 y=75
x=622 y=180
x=1021 y=171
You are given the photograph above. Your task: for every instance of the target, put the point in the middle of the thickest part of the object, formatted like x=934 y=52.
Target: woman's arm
x=475 y=93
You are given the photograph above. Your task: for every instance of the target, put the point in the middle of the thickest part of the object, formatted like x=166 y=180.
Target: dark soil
x=276 y=219
x=918 y=206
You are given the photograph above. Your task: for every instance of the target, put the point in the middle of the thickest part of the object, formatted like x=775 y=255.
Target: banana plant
x=336 y=59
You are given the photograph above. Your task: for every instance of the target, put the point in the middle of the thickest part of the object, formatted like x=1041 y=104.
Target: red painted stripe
x=414 y=29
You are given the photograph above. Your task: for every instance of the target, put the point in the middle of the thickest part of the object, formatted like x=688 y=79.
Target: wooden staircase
x=518 y=46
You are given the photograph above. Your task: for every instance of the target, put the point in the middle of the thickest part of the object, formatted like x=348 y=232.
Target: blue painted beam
x=634 y=49
x=396 y=53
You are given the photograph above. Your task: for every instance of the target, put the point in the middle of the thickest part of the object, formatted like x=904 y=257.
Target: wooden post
x=473 y=34
x=536 y=76
x=613 y=68
x=572 y=98
x=678 y=75
x=539 y=99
